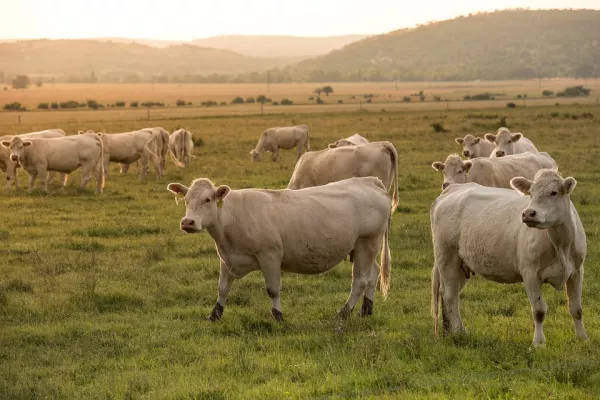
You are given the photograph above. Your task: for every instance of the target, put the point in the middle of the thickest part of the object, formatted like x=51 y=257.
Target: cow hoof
x=216 y=313
x=278 y=315
x=344 y=313
x=367 y=308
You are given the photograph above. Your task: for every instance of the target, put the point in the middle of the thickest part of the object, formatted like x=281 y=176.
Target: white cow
x=354 y=140
x=494 y=172
x=181 y=147
x=306 y=231
x=286 y=138
x=532 y=234
x=474 y=147
x=63 y=154
x=378 y=159
x=9 y=166
x=508 y=143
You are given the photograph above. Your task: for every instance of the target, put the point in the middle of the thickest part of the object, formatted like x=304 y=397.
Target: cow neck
x=561 y=237
x=218 y=228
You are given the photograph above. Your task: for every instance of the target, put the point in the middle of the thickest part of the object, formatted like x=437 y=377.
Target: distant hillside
x=513 y=44
x=278 y=46
x=112 y=60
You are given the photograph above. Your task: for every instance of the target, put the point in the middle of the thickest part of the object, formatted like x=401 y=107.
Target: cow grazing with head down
x=305 y=231
x=354 y=140
x=286 y=138
x=9 y=166
x=494 y=172
x=63 y=154
x=378 y=159
x=507 y=143
x=181 y=147
x=474 y=147
x=532 y=234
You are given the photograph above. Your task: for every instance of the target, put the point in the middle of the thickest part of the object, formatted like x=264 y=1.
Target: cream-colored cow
x=532 y=235
x=495 y=172
x=474 y=147
x=63 y=154
x=354 y=140
x=307 y=231
x=181 y=147
x=507 y=143
x=378 y=159
x=286 y=138
x=9 y=166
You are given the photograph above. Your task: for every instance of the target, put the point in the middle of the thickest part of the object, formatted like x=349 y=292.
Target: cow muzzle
x=445 y=185
x=188 y=225
x=500 y=153
x=529 y=218
x=14 y=158
x=466 y=153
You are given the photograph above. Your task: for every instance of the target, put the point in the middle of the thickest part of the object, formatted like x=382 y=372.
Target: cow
x=125 y=148
x=181 y=147
x=378 y=159
x=63 y=154
x=493 y=172
x=354 y=140
x=474 y=147
x=9 y=166
x=286 y=138
x=532 y=234
x=508 y=143
x=306 y=231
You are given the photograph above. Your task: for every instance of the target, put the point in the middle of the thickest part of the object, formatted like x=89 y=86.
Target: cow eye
x=460 y=172
x=553 y=193
x=207 y=201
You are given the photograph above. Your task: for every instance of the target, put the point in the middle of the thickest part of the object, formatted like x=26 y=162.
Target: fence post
x=19 y=118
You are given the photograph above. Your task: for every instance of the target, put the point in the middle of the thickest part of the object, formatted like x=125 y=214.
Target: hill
x=71 y=59
x=511 y=44
x=278 y=46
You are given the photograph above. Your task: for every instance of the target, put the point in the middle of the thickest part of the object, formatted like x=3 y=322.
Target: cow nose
x=187 y=223
x=499 y=154
x=466 y=153
x=14 y=158
x=445 y=185
x=528 y=214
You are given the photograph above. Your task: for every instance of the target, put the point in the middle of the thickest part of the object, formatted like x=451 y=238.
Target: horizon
x=214 y=20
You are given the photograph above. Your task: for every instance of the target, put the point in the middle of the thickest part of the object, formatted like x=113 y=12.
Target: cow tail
x=174 y=158
x=386 y=260
x=100 y=164
x=435 y=297
x=152 y=141
x=394 y=184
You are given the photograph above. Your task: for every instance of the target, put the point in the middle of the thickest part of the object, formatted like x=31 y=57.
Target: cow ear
x=177 y=188
x=5 y=143
x=331 y=145
x=438 y=166
x=568 y=185
x=516 y=137
x=459 y=140
x=80 y=132
x=26 y=143
x=477 y=140
x=490 y=137
x=468 y=165
x=222 y=192
x=521 y=184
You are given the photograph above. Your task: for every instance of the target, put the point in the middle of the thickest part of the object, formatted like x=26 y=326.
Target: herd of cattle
x=504 y=213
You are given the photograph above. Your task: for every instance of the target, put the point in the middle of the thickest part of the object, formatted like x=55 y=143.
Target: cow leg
x=298 y=153
x=533 y=287
x=43 y=173
x=51 y=176
x=275 y=154
x=11 y=173
x=32 y=181
x=364 y=254
x=270 y=264
x=63 y=179
x=86 y=175
x=574 y=284
x=142 y=167
x=452 y=281
x=225 y=282
x=124 y=168
x=367 y=305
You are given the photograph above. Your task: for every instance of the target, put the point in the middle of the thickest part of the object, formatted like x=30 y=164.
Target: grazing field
x=101 y=296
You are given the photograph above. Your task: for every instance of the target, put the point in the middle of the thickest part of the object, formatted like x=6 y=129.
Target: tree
x=39 y=82
x=93 y=77
x=327 y=90
x=318 y=91
x=21 y=82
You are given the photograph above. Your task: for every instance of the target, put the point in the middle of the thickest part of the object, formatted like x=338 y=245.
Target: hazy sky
x=185 y=20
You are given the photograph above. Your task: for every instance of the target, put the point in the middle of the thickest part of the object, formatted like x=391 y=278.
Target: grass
x=103 y=297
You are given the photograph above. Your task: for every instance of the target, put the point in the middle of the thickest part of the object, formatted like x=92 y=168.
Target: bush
x=180 y=103
x=467 y=97
x=480 y=96
x=367 y=96
x=81 y=105
x=54 y=106
x=134 y=104
x=262 y=99
x=223 y=103
x=93 y=104
x=311 y=98
x=250 y=100
x=369 y=100
x=511 y=105
x=437 y=98
x=438 y=127
x=120 y=104
x=519 y=96
x=319 y=101
x=14 y=106
x=43 y=106
x=71 y=104
x=574 y=91
x=547 y=93
x=152 y=104
x=275 y=103
x=237 y=100
x=406 y=99
x=286 y=102
x=209 y=103
x=340 y=101
x=189 y=103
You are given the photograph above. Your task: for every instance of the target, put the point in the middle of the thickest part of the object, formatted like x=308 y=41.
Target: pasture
x=101 y=296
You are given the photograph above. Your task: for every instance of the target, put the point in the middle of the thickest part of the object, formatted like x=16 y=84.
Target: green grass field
x=101 y=296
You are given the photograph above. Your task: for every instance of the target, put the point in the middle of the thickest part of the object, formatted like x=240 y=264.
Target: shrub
x=340 y=101
x=319 y=101
x=180 y=103
x=275 y=103
x=262 y=99
x=152 y=104
x=54 y=106
x=223 y=103
x=511 y=105
x=311 y=98
x=574 y=91
x=189 y=103
x=93 y=104
x=480 y=96
x=406 y=99
x=437 y=98
x=286 y=102
x=134 y=104
x=81 y=105
x=367 y=96
x=70 y=104
x=120 y=104
x=209 y=103
x=369 y=100
x=467 y=97
x=438 y=127
x=43 y=106
x=250 y=100
x=14 y=106
x=237 y=100
x=519 y=96
x=547 y=93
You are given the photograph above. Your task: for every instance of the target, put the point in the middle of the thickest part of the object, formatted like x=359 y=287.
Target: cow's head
x=469 y=144
x=17 y=148
x=340 y=143
x=202 y=203
x=255 y=155
x=454 y=169
x=504 y=141
x=549 y=198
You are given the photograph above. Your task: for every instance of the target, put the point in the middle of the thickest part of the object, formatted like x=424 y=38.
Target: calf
x=474 y=147
x=509 y=143
x=287 y=138
x=354 y=140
